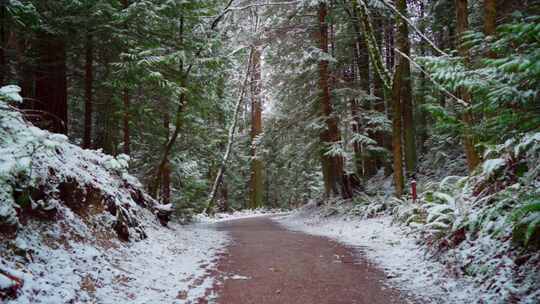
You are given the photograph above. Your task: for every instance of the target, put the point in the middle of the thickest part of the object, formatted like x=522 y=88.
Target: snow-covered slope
x=76 y=227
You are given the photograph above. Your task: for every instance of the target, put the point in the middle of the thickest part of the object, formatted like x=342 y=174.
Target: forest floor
x=267 y=263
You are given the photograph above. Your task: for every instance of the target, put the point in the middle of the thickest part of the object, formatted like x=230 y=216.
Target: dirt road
x=267 y=263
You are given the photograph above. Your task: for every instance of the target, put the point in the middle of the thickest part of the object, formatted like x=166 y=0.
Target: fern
x=528 y=215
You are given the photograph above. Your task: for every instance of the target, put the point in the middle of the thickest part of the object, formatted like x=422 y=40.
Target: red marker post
x=413 y=190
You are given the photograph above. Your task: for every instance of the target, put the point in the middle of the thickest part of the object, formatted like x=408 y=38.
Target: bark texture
x=332 y=165
x=409 y=128
x=166 y=174
x=126 y=102
x=256 y=178
x=396 y=130
x=3 y=43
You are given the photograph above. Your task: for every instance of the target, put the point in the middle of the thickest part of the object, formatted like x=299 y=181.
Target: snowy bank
x=172 y=265
x=76 y=227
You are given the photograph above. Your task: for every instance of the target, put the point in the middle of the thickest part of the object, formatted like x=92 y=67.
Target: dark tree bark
x=88 y=94
x=126 y=102
x=490 y=21
x=422 y=90
x=332 y=165
x=409 y=127
x=51 y=83
x=369 y=164
x=396 y=131
x=490 y=16
x=125 y=120
x=3 y=43
x=389 y=43
x=356 y=123
x=256 y=178
x=166 y=175
x=382 y=139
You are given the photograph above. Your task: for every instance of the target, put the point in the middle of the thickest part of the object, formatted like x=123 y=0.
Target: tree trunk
x=389 y=43
x=376 y=57
x=409 y=128
x=332 y=165
x=490 y=21
x=106 y=125
x=256 y=178
x=88 y=95
x=468 y=140
x=490 y=17
x=396 y=129
x=369 y=163
x=126 y=102
x=224 y=197
x=51 y=83
x=125 y=128
x=422 y=90
x=356 y=123
x=166 y=174
x=381 y=105
x=3 y=44
x=230 y=140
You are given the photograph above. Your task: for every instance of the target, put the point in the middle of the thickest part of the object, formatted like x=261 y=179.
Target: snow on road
x=236 y=215
x=388 y=246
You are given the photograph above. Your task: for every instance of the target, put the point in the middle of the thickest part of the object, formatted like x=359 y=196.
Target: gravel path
x=267 y=263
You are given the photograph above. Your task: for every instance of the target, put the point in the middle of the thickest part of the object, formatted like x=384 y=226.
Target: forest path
x=266 y=263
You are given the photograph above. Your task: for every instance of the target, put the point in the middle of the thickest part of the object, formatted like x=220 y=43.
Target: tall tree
x=332 y=165
x=396 y=129
x=126 y=103
x=166 y=175
x=462 y=14
x=3 y=42
x=256 y=178
x=409 y=126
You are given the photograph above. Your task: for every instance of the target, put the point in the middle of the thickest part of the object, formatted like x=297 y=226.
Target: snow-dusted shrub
x=495 y=236
x=42 y=174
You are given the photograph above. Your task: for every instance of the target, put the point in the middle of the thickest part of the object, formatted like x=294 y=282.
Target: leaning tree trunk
x=88 y=94
x=232 y=130
x=256 y=178
x=468 y=140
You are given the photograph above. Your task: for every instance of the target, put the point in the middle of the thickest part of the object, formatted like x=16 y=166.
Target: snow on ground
x=402 y=259
x=172 y=265
x=247 y=213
